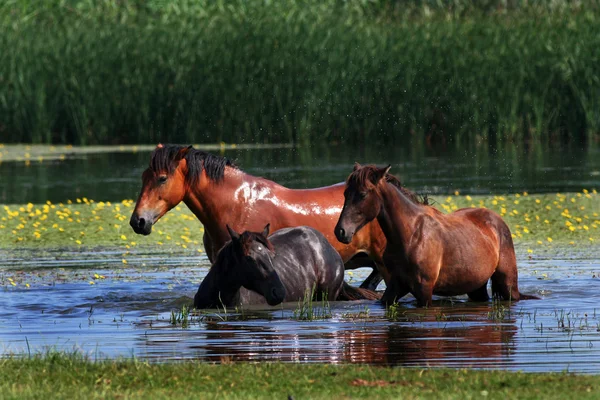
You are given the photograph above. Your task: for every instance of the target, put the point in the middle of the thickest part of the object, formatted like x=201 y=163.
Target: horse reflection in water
x=434 y=337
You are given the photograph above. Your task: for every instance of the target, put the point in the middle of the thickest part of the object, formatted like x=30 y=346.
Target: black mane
x=164 y=159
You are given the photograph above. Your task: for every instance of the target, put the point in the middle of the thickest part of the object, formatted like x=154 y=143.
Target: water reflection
x=434 y=337
x=128 y=314
x=469 y=169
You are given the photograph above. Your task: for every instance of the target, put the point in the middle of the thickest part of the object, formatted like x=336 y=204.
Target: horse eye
x=162 y=179
x=362 y=195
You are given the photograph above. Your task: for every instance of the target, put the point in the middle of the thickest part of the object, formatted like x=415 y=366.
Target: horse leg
x=480 y=294
x=372 y=281
x=394 y=292
x=424 y=293
x=362 y=260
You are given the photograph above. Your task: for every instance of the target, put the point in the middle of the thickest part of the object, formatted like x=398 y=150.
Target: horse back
x=304 y=260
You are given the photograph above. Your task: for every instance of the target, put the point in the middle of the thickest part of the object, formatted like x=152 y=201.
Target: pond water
x=91 y=302
x=127 y=313
x=117 y=175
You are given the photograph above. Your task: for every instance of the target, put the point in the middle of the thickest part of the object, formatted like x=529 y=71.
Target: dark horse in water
x=251 y=269
x=429 y=252
x=220 y=194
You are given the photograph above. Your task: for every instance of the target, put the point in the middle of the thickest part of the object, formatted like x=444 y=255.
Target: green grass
x=255 y=71
x=537 y=221
x=67 y=376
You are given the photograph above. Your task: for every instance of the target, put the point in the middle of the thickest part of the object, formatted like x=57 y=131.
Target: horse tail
x=349 y=293
x=505 y=280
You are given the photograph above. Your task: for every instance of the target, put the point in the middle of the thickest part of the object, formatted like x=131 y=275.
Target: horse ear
x=356 y=166
x=234 y=235
x=183 y=152
x=382 y=172
x=265 y=231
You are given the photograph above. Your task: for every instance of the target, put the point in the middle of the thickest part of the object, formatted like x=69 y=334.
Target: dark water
x=126 y=312
x=477 y=170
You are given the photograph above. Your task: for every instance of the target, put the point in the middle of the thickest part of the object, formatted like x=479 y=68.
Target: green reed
x=99 y=71
x=308 y=310
x=181 y=316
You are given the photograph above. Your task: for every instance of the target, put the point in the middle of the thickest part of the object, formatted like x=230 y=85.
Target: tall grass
x=99 y=71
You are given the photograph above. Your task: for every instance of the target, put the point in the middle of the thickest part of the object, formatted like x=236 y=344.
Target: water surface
x=482 y=170
x=126 y=312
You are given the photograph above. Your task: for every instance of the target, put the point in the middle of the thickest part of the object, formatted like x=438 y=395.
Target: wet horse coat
x=220 y=194
x=251 y=269
x=429 y=252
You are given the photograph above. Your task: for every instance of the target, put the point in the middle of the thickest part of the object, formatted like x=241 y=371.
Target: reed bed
x=261 y=71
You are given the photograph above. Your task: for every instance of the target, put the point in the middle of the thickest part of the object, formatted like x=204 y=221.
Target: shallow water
x=126 y=312
x=91 y=302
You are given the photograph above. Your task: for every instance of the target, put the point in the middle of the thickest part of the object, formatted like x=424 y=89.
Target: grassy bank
x=60 y=376
x=536 y=221
x=102 y=72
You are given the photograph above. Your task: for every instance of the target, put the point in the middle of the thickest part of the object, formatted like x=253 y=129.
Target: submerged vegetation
x=100 y=72
x=73 y=376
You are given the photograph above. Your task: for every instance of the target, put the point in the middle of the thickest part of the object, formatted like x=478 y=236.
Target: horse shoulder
x=425 y=245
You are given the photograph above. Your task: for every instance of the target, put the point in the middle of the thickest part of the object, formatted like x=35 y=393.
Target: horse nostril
x=342 y=232
x=274 y=293
x=141 y=223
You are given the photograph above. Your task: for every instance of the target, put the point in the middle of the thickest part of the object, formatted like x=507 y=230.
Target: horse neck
x=398 y=215
x=219 y=289
x=206 y=202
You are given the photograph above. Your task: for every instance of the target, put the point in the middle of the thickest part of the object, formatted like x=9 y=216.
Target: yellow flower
x=529 y=251
x=123 y=237
x=549 y=239
x=124 y=261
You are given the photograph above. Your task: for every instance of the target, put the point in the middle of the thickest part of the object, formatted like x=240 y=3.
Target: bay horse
x=254 y=269
x=220 y=194
x=430 y=252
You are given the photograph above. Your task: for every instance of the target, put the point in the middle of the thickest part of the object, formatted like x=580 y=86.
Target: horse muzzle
x=141 y=225
x=275 y=296
x=343 y=236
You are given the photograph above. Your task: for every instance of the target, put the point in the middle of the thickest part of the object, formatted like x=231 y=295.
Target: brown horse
x=429 y=252
x=220 y=194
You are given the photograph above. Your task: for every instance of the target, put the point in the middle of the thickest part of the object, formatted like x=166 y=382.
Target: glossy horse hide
x=429 y=252
x=251 y=269
x=220 y=194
